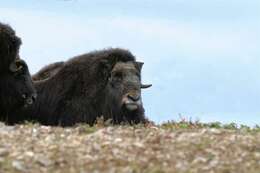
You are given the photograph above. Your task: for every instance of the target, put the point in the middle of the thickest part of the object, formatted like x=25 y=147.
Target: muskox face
x=125 y=89
x=17 y=85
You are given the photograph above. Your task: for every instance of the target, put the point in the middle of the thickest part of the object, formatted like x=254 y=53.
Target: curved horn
x=143 y=86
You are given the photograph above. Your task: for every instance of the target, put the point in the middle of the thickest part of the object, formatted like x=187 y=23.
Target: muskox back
x=47 y=71
x=90 y=86
x=16 y=87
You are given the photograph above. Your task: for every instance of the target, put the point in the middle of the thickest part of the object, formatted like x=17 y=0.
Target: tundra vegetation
x=179 y=147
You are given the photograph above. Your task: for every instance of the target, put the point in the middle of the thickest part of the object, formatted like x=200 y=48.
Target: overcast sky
x=202 y=57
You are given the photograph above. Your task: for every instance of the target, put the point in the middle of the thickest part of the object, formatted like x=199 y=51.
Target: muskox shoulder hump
x=48 y=71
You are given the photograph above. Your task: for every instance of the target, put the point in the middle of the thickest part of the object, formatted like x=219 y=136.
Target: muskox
x=16 y=87
x=103 y=83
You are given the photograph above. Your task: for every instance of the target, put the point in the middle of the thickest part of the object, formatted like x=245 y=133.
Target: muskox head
x=16 y=86
x=124 y=90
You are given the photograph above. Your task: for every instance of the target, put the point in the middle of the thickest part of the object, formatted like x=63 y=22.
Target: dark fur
x=12 y=88
x=13 y=85
x=9 y=46
x=79 y=93
x=47 y=71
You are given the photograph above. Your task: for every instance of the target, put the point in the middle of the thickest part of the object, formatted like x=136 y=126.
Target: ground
x=171 y=147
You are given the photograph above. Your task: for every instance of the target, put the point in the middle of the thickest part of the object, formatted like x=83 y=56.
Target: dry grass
x=172 y=147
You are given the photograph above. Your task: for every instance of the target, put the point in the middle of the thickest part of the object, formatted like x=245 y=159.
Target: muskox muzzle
x=132 y=101
x=29 y=99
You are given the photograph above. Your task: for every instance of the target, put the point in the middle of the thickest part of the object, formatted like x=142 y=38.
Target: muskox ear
x=139 y=65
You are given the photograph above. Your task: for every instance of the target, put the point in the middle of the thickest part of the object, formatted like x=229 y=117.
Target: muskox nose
x=132 y=101
x=133 y=97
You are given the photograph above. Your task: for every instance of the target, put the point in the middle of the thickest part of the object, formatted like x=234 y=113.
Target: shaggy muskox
x=16 y=87
x=103 y=83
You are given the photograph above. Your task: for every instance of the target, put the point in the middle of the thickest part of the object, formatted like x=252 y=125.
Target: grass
x=180 y=147
x=183 y=124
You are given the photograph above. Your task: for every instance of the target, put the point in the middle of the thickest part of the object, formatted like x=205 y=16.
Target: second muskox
x=103 y=83
x=16 y=87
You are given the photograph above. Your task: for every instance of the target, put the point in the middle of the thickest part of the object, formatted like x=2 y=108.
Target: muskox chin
x=101 y=83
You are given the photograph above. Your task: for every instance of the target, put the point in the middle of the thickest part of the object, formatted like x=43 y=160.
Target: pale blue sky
x=202 y=56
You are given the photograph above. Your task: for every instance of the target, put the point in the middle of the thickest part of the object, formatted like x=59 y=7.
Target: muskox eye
x=118 y=75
